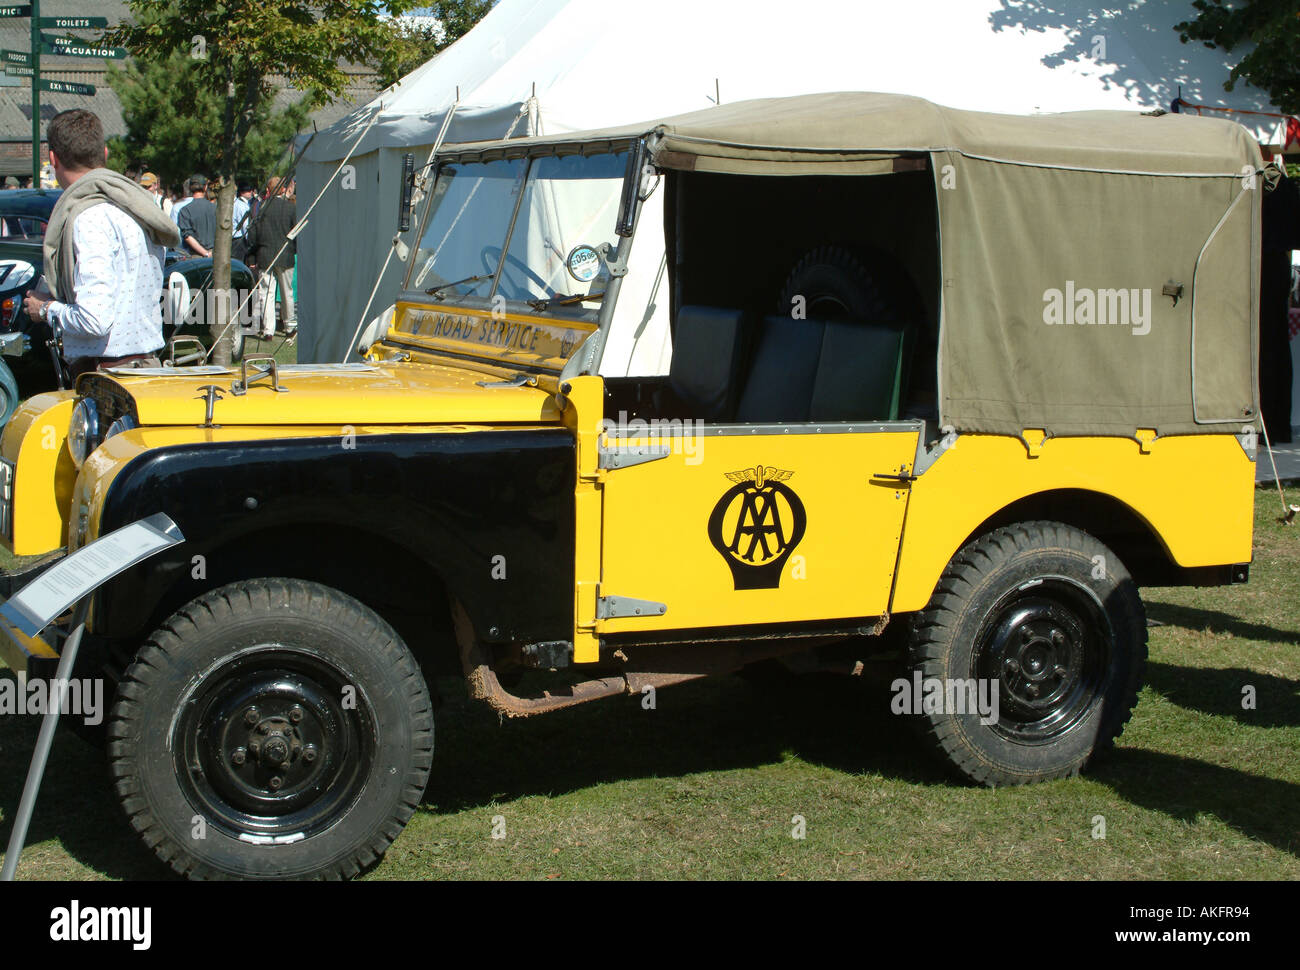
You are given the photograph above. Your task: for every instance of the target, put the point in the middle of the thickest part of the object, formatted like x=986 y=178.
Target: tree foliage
x=242 y=50
x=170 y=115
x=415 y=41
x=1272 y=26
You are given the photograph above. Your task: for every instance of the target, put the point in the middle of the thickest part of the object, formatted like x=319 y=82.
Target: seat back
x=779 y=386
x=824 y=370
x=860 y=374
x=705 y=368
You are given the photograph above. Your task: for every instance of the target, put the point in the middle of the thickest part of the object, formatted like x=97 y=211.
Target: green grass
x=285 y=353
x=705 y=786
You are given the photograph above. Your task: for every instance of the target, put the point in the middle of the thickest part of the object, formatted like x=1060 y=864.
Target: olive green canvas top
x=1100 y=269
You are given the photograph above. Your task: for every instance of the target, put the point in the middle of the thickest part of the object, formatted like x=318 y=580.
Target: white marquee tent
x=551 y=66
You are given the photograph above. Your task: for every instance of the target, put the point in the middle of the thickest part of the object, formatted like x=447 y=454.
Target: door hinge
x=611 y=458
x=614 y=607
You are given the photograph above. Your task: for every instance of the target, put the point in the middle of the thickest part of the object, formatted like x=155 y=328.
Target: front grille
x=110 y=399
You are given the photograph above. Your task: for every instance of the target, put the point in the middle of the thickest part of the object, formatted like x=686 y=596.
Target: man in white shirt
x=104 y=249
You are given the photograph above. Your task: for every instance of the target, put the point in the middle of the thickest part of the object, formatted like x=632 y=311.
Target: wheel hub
x=270 y=747
x=274 y=742
x=1043 y=649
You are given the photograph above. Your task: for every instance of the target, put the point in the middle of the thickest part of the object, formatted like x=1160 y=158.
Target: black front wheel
x=271 y=729
x=1028 y=659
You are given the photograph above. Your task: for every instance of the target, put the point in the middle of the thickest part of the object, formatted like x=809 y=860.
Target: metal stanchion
x=44 y=741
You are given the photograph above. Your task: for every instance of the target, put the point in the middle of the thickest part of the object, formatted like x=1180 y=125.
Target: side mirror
x=408 y=187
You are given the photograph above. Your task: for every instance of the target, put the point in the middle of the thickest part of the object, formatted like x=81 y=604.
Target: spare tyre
x=836 y=283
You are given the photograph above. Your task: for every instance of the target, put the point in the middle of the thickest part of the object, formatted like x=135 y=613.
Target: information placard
x=47 y=596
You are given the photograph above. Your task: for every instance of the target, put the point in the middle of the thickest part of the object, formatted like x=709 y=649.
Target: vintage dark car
x=28 y=367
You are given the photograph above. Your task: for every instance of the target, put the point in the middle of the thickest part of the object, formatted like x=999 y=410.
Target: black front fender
x=489 y=512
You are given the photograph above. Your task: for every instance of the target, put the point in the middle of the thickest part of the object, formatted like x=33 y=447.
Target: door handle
x=902 y=477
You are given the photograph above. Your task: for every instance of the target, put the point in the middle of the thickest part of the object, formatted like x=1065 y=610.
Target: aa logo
x=756 y=525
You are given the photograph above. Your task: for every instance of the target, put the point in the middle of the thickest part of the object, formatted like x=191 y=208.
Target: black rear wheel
x=1031 y=652
x=271 y=729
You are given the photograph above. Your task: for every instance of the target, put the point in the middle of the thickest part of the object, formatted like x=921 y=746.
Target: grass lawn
x=706 y=785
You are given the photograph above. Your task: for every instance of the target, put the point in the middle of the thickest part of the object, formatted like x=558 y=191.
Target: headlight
x=124 y=423
x=83 y=430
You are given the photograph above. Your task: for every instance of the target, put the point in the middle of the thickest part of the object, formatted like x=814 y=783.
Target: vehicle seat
x=860 y=374
x=824 y=370
x=779 y=387
x=705 y=369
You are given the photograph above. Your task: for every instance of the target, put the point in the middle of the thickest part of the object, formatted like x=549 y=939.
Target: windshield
x=534 y=211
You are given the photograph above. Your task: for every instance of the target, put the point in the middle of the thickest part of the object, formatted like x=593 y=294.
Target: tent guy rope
x=298 y=226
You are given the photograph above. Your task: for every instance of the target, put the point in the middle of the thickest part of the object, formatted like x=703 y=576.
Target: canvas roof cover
x=1059 y=235
x=546 y=67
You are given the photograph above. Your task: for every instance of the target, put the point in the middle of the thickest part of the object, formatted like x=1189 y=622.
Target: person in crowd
x=151 y=184
x=198 y=220
x=241 y=219
x=267 y=237
x=103 y=250
x=187 y=196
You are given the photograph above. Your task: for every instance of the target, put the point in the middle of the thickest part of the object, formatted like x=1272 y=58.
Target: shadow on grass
x=1218 y=691
x=712 y=725
x=1266 y=809
x=77 y=805
x=1195 y=618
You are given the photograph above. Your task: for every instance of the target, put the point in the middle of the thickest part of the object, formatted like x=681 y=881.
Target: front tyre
x=1046 y=621
x=271 y=729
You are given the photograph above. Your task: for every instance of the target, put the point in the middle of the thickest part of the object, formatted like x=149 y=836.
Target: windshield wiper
x=541 y=306
x=438 y=291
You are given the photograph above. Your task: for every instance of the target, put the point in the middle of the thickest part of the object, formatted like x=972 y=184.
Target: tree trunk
x=224 y=301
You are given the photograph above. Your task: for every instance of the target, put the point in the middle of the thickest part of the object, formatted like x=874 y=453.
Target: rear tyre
x=1048 y=617
x=271 y=729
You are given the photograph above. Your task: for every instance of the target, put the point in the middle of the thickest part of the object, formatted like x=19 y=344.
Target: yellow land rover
x=961 y=382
